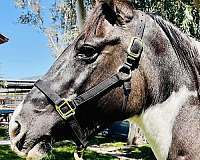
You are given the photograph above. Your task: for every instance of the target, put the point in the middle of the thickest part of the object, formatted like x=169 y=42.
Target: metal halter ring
x=124 y=73
x=135 y=48
x=78 y=154
x=69 y=113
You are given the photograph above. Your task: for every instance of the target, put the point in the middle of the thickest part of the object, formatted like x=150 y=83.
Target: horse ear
x=117 y=11
x=109 y=13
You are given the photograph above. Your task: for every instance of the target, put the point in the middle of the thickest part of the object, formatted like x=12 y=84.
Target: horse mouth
x=37 y=150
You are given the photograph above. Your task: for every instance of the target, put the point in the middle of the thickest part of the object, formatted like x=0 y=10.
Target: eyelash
x=87 y=53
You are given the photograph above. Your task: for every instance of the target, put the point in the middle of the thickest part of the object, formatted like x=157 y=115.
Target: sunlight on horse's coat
x=34 y=153
x=157 y=121
x=13 y=126
x=164 y=85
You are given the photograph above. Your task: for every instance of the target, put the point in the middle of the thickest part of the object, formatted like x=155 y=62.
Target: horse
x=125 y=64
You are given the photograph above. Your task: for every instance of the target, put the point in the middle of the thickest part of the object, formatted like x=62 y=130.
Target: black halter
x=67 y=107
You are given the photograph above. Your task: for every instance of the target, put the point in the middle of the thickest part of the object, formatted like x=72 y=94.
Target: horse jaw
x=157 y=121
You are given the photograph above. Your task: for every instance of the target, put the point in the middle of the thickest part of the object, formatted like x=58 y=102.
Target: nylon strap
x=97 y=90
x=48 y=92
x=81 y=99
x=57 y=100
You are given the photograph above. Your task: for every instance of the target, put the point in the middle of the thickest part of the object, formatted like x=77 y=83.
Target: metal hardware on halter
x=135 y=47
x=134 y=52
x=69 y=113
x=133 y=55
x=78 y=154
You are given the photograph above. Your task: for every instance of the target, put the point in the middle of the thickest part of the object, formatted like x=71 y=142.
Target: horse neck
x=167 y=87
x=161 y=67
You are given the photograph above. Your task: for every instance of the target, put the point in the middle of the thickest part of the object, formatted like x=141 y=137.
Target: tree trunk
x=197 y=3
x=80 y=14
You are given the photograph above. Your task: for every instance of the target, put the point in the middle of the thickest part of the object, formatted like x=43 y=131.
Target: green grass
x=59 y=153
x=143 y=152
x=3 y=132
x=65 y=151
x=7 y=154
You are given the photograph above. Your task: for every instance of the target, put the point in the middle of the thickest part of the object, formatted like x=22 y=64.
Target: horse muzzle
x=26 y=147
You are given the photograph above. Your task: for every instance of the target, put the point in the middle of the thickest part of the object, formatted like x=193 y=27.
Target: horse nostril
x=14 y=129
x=21 y=142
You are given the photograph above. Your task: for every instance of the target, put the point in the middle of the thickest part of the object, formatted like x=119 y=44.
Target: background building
x=3 y=39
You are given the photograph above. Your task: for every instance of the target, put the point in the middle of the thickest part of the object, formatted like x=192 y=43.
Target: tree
x=62 y=21
x=3 y=84
x=183 y=13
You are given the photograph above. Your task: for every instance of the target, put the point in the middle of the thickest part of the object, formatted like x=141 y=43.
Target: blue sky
x=26 y=54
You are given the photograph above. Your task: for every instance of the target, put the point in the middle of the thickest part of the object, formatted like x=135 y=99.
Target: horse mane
x=185 y=50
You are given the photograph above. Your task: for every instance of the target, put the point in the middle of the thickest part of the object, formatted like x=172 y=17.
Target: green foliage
x=64 y=152
x=3 y=84
x=3 y=133
x=58 y=21
x=6 y=153
x=59 y=153
x=183 y=13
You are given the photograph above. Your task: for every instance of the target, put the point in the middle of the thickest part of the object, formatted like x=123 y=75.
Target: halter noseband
x=66 y=108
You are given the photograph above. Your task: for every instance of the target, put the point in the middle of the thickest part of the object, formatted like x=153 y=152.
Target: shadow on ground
x=66 y=152
x=3 y=132
x=63 y=151
x=142 y=152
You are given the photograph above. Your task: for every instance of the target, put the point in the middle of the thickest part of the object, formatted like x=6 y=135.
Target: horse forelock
x=94 y=22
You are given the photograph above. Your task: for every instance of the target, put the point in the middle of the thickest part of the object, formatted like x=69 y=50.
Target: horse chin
x=39 y=151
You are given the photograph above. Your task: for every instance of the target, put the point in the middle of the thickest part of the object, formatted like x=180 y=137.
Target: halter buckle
x=71 y=112
x=134 y=50
x=78 y=154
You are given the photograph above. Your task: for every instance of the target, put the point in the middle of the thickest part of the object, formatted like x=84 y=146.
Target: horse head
x=78 y=96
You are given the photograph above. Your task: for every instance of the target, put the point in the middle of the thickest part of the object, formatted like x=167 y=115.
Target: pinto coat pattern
x=164 y=99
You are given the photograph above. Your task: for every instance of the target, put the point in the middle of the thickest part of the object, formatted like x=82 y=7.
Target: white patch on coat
x=157 y=121
x=13 y=126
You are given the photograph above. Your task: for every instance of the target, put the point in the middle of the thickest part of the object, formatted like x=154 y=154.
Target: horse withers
x=124 y=64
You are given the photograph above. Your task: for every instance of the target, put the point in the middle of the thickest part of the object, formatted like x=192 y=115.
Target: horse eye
x=87 y=52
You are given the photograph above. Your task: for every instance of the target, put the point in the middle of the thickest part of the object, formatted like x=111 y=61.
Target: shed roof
x=3 y=39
